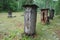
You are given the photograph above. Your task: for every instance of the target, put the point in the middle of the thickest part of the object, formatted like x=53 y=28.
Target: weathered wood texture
x=44 y=16
x=51 y=13
x=48 y=21
x=30 y=19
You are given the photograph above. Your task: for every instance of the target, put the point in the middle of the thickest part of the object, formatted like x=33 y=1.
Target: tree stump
x=51 y=13
x=44 y=16
x=30 y=19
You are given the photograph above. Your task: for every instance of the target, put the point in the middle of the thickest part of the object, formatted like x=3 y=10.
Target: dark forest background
x=16 y=5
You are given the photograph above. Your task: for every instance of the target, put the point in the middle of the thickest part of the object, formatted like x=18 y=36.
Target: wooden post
x=44 y=16
x=30 y=19
x=51 y=13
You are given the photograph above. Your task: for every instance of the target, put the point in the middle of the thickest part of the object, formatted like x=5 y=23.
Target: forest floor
x=13 y=28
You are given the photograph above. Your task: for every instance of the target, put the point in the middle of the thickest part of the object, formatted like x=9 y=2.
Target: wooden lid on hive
x=44 y=9
x=33 y=6
x=52 y=9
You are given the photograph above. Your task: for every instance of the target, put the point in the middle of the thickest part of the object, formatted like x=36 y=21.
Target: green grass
x=12 y=28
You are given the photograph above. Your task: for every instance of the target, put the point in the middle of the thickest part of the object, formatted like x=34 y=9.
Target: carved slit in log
x=43 y=16
x=30 y=19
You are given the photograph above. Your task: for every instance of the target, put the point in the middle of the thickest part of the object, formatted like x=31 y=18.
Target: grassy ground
x=12 y=28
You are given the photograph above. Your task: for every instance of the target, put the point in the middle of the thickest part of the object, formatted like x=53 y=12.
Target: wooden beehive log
x=30 y=19
x=44 y=15
x=10 y=13
x=51 y=13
